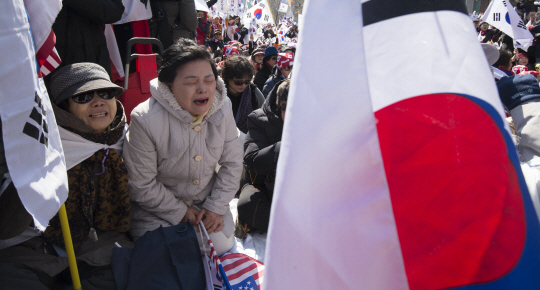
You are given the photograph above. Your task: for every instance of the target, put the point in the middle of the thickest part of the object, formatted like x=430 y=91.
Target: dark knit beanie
x=515 y=90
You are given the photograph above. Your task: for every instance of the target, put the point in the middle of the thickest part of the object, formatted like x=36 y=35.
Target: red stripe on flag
x=241 y=272
x=234 y=264
x=45 y=50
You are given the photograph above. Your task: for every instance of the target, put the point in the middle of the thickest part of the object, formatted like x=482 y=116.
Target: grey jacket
x=172 y=163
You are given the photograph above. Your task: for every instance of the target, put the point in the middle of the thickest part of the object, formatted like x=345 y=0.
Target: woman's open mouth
x=201 y=102
x=99 y=115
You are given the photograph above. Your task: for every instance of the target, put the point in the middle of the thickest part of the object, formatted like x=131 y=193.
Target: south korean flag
x=30 y=135
x=502 y=15
x=415 y=169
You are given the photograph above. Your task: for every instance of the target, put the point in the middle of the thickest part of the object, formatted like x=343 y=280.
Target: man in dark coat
x=79 y=30
x=262 y=146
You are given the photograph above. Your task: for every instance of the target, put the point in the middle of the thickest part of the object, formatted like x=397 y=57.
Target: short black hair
x=283 y=94
x=504 y=58
x=236 y=67
x=181 y=52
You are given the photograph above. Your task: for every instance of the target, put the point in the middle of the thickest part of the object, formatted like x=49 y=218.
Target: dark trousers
x=254 y=208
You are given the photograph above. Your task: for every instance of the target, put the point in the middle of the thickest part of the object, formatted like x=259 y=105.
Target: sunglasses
x=287 y=68
x=274 y=58
x=88 y=96
x=240 y=82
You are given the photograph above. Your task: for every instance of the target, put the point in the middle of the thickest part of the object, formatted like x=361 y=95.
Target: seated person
x=175 y=141
x=91 y=123
x=237 y=73
x=284 y=64
x=262 y=145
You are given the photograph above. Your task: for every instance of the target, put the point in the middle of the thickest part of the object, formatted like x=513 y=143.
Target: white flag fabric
x=32 y=144
x=200 y=5
x=260 y=12
x=114 y=53
x=397 y=183
x=502 y=15
x=135 y=10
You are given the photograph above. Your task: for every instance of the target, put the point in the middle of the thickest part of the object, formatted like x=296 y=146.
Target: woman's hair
x=282 y=94
x=236 y=67
x=180 y=53
x=504 y=60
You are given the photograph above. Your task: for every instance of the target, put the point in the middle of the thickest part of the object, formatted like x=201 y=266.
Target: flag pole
x=69 y=248
x=216 y=261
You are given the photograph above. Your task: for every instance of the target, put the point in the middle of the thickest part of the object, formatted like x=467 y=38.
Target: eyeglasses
x=88 y=96
x=287 y=68
x=241 y=82
x=274 y=58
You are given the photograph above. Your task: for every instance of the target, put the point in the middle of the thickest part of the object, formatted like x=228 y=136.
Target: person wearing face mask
x=237 y=73
x=284 y=64
x=266 y=68
x=91 y=123
x=175 y=141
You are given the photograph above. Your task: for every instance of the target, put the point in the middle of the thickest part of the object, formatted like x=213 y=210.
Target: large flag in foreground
x=30 y=134
x=502 y=15
x=396 y=169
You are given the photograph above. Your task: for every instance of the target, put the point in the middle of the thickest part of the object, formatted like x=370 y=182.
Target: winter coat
x=172 y=163
x=203 y=29
x=215 y=45
x=79 y=30
x=257 y=99
x=263 y=142
x=182 y=16
x=30 y=250
x=262 y=75
x=271 y=82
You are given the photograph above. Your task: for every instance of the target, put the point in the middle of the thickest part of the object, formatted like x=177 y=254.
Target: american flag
x=236 y=271
x=243 y=272
x=47 y=56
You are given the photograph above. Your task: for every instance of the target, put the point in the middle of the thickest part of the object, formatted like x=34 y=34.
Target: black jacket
x=79 y=30
x=215 y=44
x=263 y=73
x=263 y=142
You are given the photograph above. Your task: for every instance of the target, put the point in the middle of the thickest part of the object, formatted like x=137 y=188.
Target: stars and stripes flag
x=31 y=140
x=416 y=183
x=42 y=14
x=236 y=271
x=243 y=272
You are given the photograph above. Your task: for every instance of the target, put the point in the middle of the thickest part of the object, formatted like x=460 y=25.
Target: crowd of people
x=209 y=132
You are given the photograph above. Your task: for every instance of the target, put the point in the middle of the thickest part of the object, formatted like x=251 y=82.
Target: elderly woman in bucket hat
x=91 y=123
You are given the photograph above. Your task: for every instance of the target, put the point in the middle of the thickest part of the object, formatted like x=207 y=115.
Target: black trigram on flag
x=262 y=5
x=496 y=16
x=522 y=25
x=248 y=15
x=41 y=130
x=266 y=17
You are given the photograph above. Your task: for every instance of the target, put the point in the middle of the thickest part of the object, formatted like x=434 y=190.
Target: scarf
x=244 y=110
x=105 y=208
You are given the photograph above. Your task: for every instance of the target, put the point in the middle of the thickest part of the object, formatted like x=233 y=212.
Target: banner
x=502 y=15
x=31 y=141
x=398 y=183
